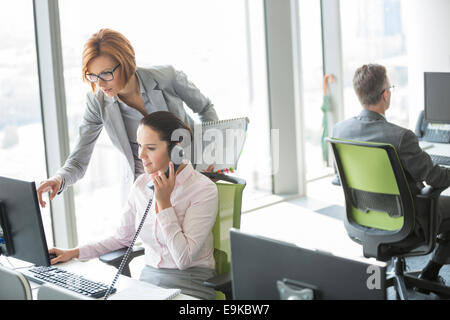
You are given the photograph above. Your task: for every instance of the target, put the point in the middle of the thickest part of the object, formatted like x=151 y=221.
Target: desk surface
x=305 y=228
x=95 y=270
x=442 y=149
x=98 y=271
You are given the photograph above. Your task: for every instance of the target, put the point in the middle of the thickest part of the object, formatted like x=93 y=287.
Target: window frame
x=54 y=117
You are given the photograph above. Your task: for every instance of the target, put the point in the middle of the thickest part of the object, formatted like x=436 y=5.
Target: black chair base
x=408 y=285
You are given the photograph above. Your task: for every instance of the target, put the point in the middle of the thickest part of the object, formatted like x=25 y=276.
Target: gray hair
x=369 y=82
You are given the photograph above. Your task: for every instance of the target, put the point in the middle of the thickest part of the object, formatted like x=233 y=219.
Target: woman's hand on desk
x=63 y=255
x=53 y=185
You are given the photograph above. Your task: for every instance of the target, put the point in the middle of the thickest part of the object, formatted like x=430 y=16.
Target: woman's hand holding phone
x=164 y=187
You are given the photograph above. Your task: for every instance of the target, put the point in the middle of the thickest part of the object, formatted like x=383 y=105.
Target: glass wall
x=218 y=44
x=373 y=31
x=22 y=150
x=312 y=72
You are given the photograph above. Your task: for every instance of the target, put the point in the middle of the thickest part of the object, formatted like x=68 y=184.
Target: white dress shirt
x=178 y=237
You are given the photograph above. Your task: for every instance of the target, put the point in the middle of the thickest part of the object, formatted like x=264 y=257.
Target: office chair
x=228 y=216
x=381 y=210
x=13 y=285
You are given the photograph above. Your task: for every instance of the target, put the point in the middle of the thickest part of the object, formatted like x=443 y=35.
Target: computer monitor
x=21 y=222
x=437 y=97
x=258 y=263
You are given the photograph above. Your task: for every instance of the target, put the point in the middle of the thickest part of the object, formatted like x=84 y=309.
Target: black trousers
x=441 y=254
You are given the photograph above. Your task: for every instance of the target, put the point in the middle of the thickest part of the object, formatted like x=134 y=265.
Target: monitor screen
x=258 y=264
x=437 y=97
x=21 y=221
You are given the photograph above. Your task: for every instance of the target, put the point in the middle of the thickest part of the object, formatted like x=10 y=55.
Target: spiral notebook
x=145 y=291
x=221 y=144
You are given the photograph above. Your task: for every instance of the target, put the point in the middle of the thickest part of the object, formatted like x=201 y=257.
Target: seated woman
x=177 y=233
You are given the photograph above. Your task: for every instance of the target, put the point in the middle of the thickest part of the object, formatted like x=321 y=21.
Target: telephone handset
x=421 y=125
x=176 y=154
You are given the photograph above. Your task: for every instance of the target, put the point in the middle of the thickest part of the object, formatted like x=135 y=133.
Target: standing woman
x=122 y=94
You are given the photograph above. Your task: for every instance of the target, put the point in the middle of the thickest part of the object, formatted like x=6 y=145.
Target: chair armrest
x=430 y=192
x=115 y=257
x=220 y=283
x=224 y=177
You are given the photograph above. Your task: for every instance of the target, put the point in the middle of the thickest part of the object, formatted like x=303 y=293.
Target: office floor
x=321 y=194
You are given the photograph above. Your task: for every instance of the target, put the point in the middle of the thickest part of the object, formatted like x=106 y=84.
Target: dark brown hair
x=165 y=123
x=369 y=83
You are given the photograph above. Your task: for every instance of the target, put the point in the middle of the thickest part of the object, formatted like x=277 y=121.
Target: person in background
x=122 y=94
x=177 y=233
x=373 y=88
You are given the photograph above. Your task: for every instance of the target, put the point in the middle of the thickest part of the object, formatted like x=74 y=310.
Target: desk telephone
x=431 y=132
x=176 y=154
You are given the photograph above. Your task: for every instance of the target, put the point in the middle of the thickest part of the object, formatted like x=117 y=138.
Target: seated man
x=373 y=89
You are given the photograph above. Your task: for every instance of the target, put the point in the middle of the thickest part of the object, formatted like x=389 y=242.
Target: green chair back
x=369 y=169
x=228 y=216
x=379 y=204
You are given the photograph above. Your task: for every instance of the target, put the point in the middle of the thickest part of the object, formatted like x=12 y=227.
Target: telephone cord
x=128 y=252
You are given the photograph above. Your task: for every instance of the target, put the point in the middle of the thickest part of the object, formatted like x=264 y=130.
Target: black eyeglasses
x=105 y=76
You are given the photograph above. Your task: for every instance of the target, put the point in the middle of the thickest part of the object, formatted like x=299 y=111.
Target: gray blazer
x=373 y=127
x=166 y=88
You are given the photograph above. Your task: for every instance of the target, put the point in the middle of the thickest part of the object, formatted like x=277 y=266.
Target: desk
x=95 y=270
x=305 y=228
x=441 y=149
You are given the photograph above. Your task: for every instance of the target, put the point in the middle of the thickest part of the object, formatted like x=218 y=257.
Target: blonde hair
x=111 y=43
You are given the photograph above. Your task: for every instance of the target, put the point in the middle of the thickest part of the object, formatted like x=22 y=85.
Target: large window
x=312 y=85
x=218 y=44
x=373 y=31
x=22 y=151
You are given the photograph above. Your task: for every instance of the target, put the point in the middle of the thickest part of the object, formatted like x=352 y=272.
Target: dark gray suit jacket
x=372 y=127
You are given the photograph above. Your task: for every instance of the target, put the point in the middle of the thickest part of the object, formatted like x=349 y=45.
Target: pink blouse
x=178 y=237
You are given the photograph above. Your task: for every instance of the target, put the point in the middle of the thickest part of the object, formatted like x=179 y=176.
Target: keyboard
x=68 y=280
x=441 y=160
